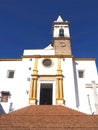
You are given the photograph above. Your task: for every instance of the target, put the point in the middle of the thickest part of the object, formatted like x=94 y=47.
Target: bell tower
x=61 y=37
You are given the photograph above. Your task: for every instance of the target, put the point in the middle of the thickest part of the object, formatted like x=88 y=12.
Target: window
x=61 y=32
x=47 y=62
x=10 y=74
x=4 y=95
x=81 y=73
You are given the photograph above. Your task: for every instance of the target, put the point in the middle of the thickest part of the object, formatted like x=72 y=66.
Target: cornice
x=84 y=59
x=62 y=23
x=61 y=38
x=45 y=75
x=47 y=56
x=10 y=59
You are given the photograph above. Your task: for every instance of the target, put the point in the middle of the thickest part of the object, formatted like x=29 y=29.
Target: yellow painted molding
x=35 y=71
x=31 y=90
x=33 y=101
x=84 y=59
x=59 y=84
x=45 y=75
x=33 y=86
x=10 y=59
x=59 y=71
x=60 y=101
x=61 y=88
x=47 y=56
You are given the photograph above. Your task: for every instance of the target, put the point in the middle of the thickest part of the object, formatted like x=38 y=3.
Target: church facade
x=50 y=76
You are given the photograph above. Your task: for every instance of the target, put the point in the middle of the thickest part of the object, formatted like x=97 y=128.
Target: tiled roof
x=48 y=117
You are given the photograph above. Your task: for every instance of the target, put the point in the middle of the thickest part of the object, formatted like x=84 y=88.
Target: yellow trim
x=59 y=84
x=59 y=71
x=33 y=87
x=47 y=76
x=33 y=101
x=35 y=71
x=11 y=59
x=84 y=59
x=57 y=88
x=47 y=56
x=60 y=101
x=61 y=88
x=31 y=90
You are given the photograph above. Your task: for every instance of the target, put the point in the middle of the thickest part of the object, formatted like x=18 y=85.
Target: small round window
x=47 y=62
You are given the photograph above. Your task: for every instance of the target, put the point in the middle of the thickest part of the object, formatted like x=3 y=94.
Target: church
x=50 y=76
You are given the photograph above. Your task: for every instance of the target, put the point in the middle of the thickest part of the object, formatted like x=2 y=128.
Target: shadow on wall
x=1 y=110
x=76 y=85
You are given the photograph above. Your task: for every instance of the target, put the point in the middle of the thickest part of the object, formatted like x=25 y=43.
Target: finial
x=59 y=19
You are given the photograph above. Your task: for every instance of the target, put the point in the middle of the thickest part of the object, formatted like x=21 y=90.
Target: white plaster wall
x=90 y=70
x=90 y=74
x=19 y=85
x=68 y=80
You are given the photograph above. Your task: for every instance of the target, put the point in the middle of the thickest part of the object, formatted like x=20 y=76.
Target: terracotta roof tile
x=48 y=118
x=46 y=110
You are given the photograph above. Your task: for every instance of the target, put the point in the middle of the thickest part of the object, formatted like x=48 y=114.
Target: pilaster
x=59 y=85
x=33 y=86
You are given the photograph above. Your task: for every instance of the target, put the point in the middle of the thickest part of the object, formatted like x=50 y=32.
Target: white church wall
x=90 y=74
x=18 y=86
x=69 y=90
x=89 y=67
x=8 y=84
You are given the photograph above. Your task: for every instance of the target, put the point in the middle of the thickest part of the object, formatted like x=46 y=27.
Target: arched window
x=61 y=32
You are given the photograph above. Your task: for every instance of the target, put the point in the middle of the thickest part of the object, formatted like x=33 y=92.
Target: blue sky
x=27 y=24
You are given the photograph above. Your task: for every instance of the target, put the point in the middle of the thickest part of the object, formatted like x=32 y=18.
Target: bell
x=61 y=32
